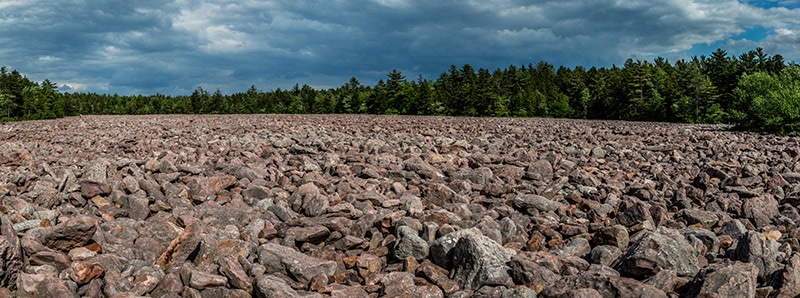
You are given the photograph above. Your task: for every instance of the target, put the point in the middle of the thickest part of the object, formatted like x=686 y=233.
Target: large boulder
x=754 y=248
x=478 y=260
x=664 y=248
x=729 y=279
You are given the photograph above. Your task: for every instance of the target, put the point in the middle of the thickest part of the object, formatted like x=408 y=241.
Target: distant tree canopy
x=754 y=91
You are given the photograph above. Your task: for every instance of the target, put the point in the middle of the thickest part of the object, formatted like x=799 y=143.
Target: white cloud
x=163 y=46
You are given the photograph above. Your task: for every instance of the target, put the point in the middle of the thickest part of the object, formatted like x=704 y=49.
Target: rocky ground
x=366 y=206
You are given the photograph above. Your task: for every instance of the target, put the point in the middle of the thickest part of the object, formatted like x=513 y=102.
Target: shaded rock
x=525 y=271
x=754 y=248
x=633 y=211
x=787 y=281
x=615 y=235
x=409 y=244
x=10 y=255
x=729 y=279
x=604 y=255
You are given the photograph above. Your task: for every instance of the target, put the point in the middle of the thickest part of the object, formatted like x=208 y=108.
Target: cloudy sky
x=173 y=46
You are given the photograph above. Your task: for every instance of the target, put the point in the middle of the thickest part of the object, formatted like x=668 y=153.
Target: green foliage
x=755 y=91
x=768 y=102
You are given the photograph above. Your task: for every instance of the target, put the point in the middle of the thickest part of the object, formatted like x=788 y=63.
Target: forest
x=754 y=91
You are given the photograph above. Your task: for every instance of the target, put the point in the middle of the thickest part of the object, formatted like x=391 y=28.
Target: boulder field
x=394 y=206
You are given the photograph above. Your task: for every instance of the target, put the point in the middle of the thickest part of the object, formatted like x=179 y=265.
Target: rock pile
x=366 y=206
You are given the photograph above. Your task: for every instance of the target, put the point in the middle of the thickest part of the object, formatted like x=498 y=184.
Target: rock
x=525 y=271
x=201 y=280
x=729 y=279
x=236 y=275
x=282 y=259
x=308 y=200
x=706 y=219
x=478 y=261
x=708 y=238
x=665 y=248
x=633 y=211
x=577 y=247
x=615 y=235
x=438 y=276
x=91 y=189
x=397 y=283
x=604 y=255
x=10 y=255
x=38 y=285
x=182 y=246
x=605 y=285
x=409 y=244
x=733 y=228
x=84 y=272
x=540 y=170
x=76 y=232
x=268 y=286
x=527 y=201
x=754 y=248
x=421 y=167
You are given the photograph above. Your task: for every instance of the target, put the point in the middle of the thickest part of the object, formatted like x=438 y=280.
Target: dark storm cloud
x=174 y=46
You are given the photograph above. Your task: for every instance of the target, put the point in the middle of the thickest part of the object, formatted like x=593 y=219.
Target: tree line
x=754 y=90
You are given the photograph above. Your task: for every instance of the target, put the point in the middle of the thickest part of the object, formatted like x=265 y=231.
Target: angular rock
x=729 y=279
x=527 y=201
x=282 y=259
x=10 y=255
x=91 y=189
x=76 y=232
x=754 y=248
x=665 y=248
x=409 y=244
x=236 y=275
x=182 y=246
x=605 y=285
x=268 y=286
x=478 y=261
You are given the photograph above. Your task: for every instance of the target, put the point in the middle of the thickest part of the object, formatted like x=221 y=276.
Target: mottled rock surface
x=399 y=206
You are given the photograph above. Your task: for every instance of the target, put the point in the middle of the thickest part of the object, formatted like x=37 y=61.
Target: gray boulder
x=754 y=248
x=662 y=249
x=478 y=260
x=729 y=279
x=409 y=244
